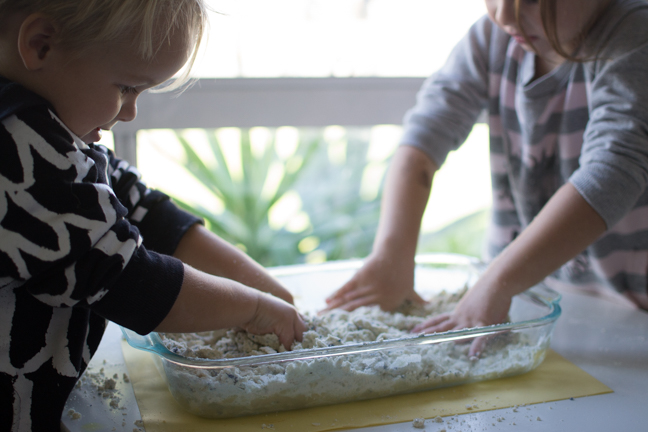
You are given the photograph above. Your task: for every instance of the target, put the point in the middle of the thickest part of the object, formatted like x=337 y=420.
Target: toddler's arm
x=168 y=230
x=208 y=302
x=205 y=251
x=387 y=277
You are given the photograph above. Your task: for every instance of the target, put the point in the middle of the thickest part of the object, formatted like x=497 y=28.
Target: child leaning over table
x=565 y=85
x=82 y=240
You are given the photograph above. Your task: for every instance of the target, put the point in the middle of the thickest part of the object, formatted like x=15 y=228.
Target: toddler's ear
x=35 y=39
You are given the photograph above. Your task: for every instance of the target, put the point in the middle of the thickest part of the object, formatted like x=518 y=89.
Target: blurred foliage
x=465 y=236
x=327 y=203
x=327 y=219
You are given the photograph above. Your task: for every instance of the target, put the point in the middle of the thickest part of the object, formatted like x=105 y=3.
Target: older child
x=82 y=240
x=565 y=84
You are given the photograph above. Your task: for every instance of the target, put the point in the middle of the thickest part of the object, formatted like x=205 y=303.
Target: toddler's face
x=572 y=16
x=93 y=92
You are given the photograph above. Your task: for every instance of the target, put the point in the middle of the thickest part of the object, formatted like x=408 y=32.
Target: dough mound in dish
x=338 y=327
x=276 y=384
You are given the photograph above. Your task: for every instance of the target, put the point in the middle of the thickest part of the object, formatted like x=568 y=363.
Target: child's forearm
x=207 y=252
x=405 y=196
x=565 y=227
x=208 y=302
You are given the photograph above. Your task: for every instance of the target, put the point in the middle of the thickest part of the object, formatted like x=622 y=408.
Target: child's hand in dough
x=382 y=281
x=481 y=306
x=274 y=315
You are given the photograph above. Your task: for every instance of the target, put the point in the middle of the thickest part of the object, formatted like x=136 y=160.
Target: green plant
x=343 y=221
x=465 y=236
x=338 y=224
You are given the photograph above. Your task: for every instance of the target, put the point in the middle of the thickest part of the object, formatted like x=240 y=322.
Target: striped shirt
x=584 y=123
x=74 y=223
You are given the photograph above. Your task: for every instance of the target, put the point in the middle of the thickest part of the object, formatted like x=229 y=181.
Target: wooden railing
x=270 y=102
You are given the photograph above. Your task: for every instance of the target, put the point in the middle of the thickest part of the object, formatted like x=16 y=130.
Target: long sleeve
x=451 y=100
x=67 y=237
x=71 y=256
x=614 y=158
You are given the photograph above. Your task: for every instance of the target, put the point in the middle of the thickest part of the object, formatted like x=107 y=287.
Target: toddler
x=82 y=240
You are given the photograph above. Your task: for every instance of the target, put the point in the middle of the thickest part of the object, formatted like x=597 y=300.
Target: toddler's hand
x=281 y=292
x=274 y=315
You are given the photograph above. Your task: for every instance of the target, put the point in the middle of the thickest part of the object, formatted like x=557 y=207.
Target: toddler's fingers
x=294 y=332
x=299 y=328
x=286 y=338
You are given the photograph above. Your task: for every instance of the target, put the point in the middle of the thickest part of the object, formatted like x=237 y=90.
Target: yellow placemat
x=555 y=379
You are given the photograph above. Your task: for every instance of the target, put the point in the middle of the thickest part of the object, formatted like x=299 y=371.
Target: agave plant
x=336 y=223
x=343 y=220
x=465 y=236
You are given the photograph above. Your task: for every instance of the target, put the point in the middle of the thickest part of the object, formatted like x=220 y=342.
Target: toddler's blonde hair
x=147 y=24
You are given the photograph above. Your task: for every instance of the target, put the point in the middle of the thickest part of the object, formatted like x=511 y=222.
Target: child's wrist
x=390 y=250
x=502 y=283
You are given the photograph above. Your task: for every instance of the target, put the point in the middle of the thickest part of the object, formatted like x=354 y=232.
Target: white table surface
x=605 y=339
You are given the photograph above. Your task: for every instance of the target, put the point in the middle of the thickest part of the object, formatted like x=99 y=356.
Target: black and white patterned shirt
x=82 y=240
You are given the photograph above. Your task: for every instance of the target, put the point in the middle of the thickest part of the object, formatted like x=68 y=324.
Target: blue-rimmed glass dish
x=321 y=376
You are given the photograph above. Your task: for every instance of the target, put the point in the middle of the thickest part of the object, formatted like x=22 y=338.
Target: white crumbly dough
x=102 y=385
x=418 y=423
x=74 y=415
x=274 y=386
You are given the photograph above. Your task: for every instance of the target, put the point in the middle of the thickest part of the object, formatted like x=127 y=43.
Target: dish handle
x=546 y=294
x=138 y=341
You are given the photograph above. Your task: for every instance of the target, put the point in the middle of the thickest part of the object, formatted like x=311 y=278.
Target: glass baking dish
x=257 y=384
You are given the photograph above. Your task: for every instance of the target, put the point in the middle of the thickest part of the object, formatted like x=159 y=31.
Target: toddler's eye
x=127 y=90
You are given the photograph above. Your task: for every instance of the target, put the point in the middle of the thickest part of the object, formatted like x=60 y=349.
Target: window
x=333 y=38
x=364 y=44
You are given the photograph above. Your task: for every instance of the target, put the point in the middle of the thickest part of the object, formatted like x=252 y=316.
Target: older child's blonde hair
x=147 y=24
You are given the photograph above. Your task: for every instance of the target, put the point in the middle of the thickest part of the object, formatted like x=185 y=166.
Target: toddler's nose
x=128 y=111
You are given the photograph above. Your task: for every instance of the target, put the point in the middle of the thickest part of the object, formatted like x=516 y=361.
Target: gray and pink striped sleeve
x=584 y=123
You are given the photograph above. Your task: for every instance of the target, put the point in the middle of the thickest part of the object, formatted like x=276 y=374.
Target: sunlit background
x=326 y=38
x=341 y=38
